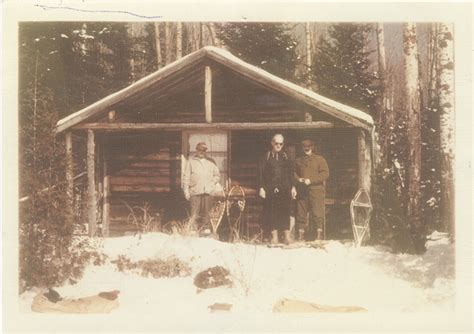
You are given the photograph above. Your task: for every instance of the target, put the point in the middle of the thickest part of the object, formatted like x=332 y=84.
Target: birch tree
x=309 y=58
x=212 y=33
x=167 y=43
x=179 y=40
x=385 y=114
x=412 y=107
x=159 y=60
x=446 y=99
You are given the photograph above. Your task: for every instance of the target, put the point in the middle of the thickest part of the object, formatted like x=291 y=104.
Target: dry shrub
x=157 y=268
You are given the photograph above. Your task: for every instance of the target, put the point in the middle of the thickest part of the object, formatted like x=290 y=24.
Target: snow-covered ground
x=338 y=275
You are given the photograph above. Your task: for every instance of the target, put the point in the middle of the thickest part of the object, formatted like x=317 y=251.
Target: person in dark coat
x=310 y=175
x=275 y=184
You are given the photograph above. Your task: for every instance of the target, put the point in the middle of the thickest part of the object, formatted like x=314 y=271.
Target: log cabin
x=133 y=143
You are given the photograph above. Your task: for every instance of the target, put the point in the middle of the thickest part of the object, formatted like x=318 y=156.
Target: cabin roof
x=338 y=110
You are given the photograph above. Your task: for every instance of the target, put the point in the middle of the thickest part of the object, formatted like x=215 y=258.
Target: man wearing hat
x=200 y=179
x=311 y=172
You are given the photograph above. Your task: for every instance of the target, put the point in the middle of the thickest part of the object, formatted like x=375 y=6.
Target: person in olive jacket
x=275 y=183
x=310 y=173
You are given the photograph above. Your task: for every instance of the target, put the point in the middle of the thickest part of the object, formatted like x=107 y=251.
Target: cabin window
x=217 y=149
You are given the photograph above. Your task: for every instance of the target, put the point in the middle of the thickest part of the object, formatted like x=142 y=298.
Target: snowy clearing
x=337 y=275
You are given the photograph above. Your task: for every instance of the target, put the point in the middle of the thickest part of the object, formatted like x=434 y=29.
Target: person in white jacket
x=200 y=179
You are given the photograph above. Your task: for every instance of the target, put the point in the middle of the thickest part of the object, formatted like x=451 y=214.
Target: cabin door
x=217 y=148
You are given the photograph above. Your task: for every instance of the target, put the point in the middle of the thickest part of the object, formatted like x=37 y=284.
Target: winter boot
x=300 y=235
x=286 y=237
x=274 y=240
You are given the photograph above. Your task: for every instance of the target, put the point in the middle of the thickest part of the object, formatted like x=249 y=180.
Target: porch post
x=91 y=191
x=364 y=159
x=208 y=94
x=106 y=207
x=69 y=178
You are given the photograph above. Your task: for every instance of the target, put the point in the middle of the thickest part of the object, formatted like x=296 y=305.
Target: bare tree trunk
x=167 y=43
x=201 y=37
x=433 y=63
x=382 y=69
x=179 y=40
x=309 y=58
x=412 y=107
x=159 y=60
x=35 y=109
x=133 y=73
x=446 y=102
x=385 y=114
x=212 y=33
x=194 y=37
x=83 y=46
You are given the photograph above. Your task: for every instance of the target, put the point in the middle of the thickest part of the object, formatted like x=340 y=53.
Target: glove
x=261 y=193
x=187 y=195
x=307 y=182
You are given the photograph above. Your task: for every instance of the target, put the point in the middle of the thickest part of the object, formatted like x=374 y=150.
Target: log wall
x=145 y=172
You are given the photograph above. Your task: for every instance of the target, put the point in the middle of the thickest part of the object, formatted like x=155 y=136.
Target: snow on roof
x=336 y=109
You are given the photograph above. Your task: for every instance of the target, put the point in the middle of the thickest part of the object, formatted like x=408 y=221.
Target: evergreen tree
x=266 y=45
x=342 y=66
x=62 y=67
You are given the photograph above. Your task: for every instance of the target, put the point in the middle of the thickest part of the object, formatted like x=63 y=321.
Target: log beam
x=208 y=94
x=201 y=126
x=91 y=191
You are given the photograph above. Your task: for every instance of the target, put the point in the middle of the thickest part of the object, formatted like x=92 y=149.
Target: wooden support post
x=106 y=207
x=70 y=178
x=208 y=94
x=364 y=158
x=111 y=115
x=91 y=191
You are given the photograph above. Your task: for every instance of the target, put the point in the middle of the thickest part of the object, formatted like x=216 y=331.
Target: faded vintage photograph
x=240 y=168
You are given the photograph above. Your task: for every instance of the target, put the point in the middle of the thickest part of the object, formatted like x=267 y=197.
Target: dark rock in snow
x=52 y=295
x=212 y=277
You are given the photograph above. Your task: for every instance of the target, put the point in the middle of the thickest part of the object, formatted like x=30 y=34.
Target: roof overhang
x=352 y=116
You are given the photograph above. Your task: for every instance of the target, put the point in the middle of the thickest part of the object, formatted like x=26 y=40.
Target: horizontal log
x=137 y=180
x=245 y=165
x=146 y=164
x=121 y=226
x=146 y=172
x=203 y=126
x=148 y=157
x=237 y=110
x=140 y=188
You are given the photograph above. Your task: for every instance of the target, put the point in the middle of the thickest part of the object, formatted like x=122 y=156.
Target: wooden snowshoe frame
x=223 y=203
x=361 y=210
x=235 y=200
x=217 y=211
